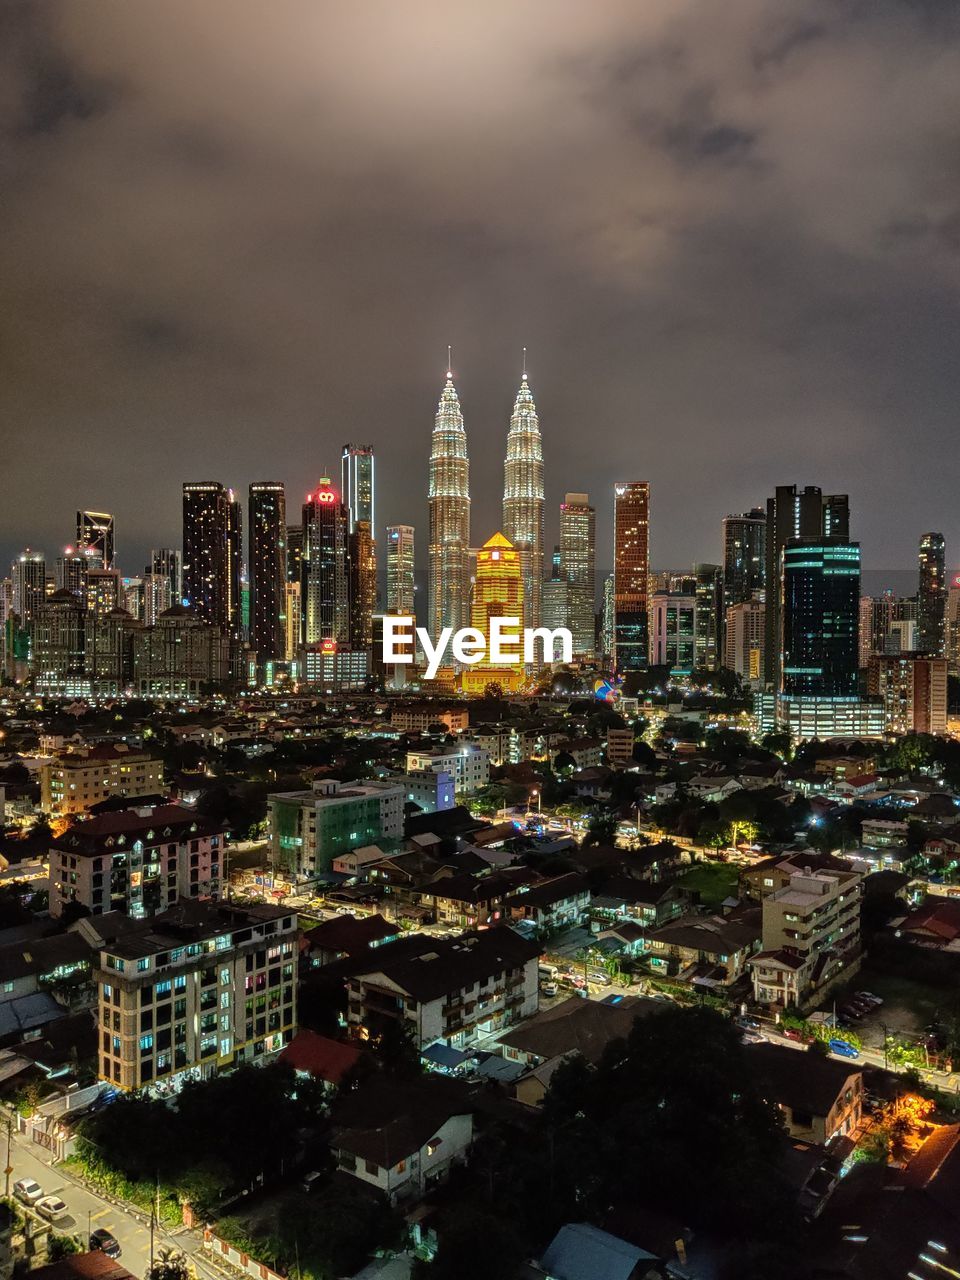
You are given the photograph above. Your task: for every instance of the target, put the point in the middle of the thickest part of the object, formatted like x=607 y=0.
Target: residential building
x=744 y=640
x=308 y=829
x=578 y=570
x=201 y=988
x=552 y=904
x=707 y=951
x=77 y=779
x=361 y=585
x=28 y=575
x=819 y=1098
x=744 y=557
x=180 y=657
x=913 y=691
x=456 y=991
x=206 y=532
x=267 y=568
x=673 y=631
x=932 y=595
x=324 y=600
x=418 y=717
x=811 y=937
x=57 y=651
x=138 y=861
x=468 y=764
x=620 y=744
x=430 y=790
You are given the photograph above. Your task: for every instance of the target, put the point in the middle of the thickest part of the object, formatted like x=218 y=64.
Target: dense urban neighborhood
x=406 y=986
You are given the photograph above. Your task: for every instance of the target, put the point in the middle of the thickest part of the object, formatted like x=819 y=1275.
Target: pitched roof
x=111 y=830
x=388 y=1120
x=450 y=963
x=578 y=1026
x=350 y=933
x=580 y=1251
x=800 y=1080
x=321 y=1057
x=19 y=960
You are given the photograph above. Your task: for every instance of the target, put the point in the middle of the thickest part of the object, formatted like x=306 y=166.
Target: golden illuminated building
x=497 y=593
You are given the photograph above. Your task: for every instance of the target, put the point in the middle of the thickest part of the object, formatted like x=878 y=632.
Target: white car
x=27 y=1191
x=52 y=1208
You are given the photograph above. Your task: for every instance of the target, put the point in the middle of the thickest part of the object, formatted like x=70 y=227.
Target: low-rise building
x=818 y=1097
x=705 y=950
x=138 y=861
x=199 y=989
x=467 y=764
x=620 y=743
x=73 y=781
x=418 y=717
x=308 y=829
x=457 y=990
x=431 y=791
x=552 y=904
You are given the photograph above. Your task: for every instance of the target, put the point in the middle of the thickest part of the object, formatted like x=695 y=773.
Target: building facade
x=206 y=530
x=324 y=595
x=267 y=567
x=308 y=829
x=449 y=501
x=631 y=547
x=523 y=497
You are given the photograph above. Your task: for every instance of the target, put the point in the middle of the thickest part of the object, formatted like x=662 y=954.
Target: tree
x=474 y=1245
x=779 y=743
x=602 y=829
x=170 y=1265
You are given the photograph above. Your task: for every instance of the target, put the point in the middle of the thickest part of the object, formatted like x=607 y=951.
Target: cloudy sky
x=234 y=235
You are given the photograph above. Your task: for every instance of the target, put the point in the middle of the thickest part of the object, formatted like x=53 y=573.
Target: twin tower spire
x=449 y=498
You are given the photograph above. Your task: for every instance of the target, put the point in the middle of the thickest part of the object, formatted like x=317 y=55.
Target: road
x=88 y=1212
x=868 y=1058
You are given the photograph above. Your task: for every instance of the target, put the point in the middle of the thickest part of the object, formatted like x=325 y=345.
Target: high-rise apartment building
x=95 y=534
x=708 y=590
x=744 y=556
x=236 y=579
x=324 y=601
x=157 y=597
x=932 y=595
x=400 y=570
x=206 y=565
x=523 y=497
x=913 y=690
x=70 y=573
x=608 y=616
x=578 y=568
x=267 y=568
x=743 y=641
x=104 y=591
x=631 y=549
x=361 y=584
x=952 y=626
x=57 y=652
x=28 y=573
x=449 y=500
x=821 y=619
x=794 y=513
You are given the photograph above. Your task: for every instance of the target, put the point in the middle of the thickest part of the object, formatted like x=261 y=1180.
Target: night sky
x=235 y=235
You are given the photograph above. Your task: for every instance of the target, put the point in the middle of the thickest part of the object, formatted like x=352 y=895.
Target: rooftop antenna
x=449 y=361
x=524 y=364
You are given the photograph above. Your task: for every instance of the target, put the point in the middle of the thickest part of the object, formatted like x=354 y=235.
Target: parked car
x=311 y=1181
x=794 y=1033
x=599 y=978
x=870 y=998
x=106 y=1242
x=550 y=989
x=753 y=1024
x=843 y=1049
x=27 y=1191
x=52 y=1208
x=749 y=1036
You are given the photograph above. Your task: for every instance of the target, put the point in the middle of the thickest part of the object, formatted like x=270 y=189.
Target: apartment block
x=73 y=781
x=138 y=861
x=199 y=989
x=308 y=829
x=469 y=765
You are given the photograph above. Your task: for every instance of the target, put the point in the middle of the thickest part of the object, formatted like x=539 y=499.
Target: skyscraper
x=71 y=572
x=631 y=550
x=157 y=597
x=673 y=631
x=324 y=604
x=357 y=486
x=267 y=567
x=578 y=566
x=821 y=619
x=709 y=629
x=932 y=595
x=400 y=565
x=362 y=585
x=95 y=536
x=497 y=593
x=449 y=499
x=794 y=513
x=744 y=555
x=29 y=576
x=206 y=533
x=168 y=561
x=523 y=496
x=235 y=573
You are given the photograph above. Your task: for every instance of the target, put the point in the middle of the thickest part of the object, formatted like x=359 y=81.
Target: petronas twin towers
x=449 y=496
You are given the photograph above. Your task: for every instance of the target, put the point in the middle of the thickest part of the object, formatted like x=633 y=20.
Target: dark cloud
x=233 y=238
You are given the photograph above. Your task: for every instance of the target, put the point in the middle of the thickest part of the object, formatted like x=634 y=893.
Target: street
x=88 y=1212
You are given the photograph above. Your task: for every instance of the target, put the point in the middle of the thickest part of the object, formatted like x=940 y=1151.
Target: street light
x=536 y=793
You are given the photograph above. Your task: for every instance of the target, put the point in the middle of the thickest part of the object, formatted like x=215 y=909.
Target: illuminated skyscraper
x=578 y=566
x=29 y=576
x=167 y=561
x=324 y=602
x=631 y=549
x=357 y=476
x=157 y=597
x=104 y=591
x=449 y=498
x=235 y=574
x=400 y=562
x=267 y=568
x=744 y=556
x=821 y=619
x=497 y=593
x=206 y=534
x=71 y=572
x=523 y=496
x=294 y=552
x=361 y=585
x=95 y=536
x=932 y=595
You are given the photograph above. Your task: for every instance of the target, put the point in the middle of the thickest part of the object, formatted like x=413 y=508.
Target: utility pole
x=9 y=1169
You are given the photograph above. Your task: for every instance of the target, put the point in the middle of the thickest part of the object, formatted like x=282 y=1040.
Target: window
x=143 y=963
x=162 y=989
x=146 y=1044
